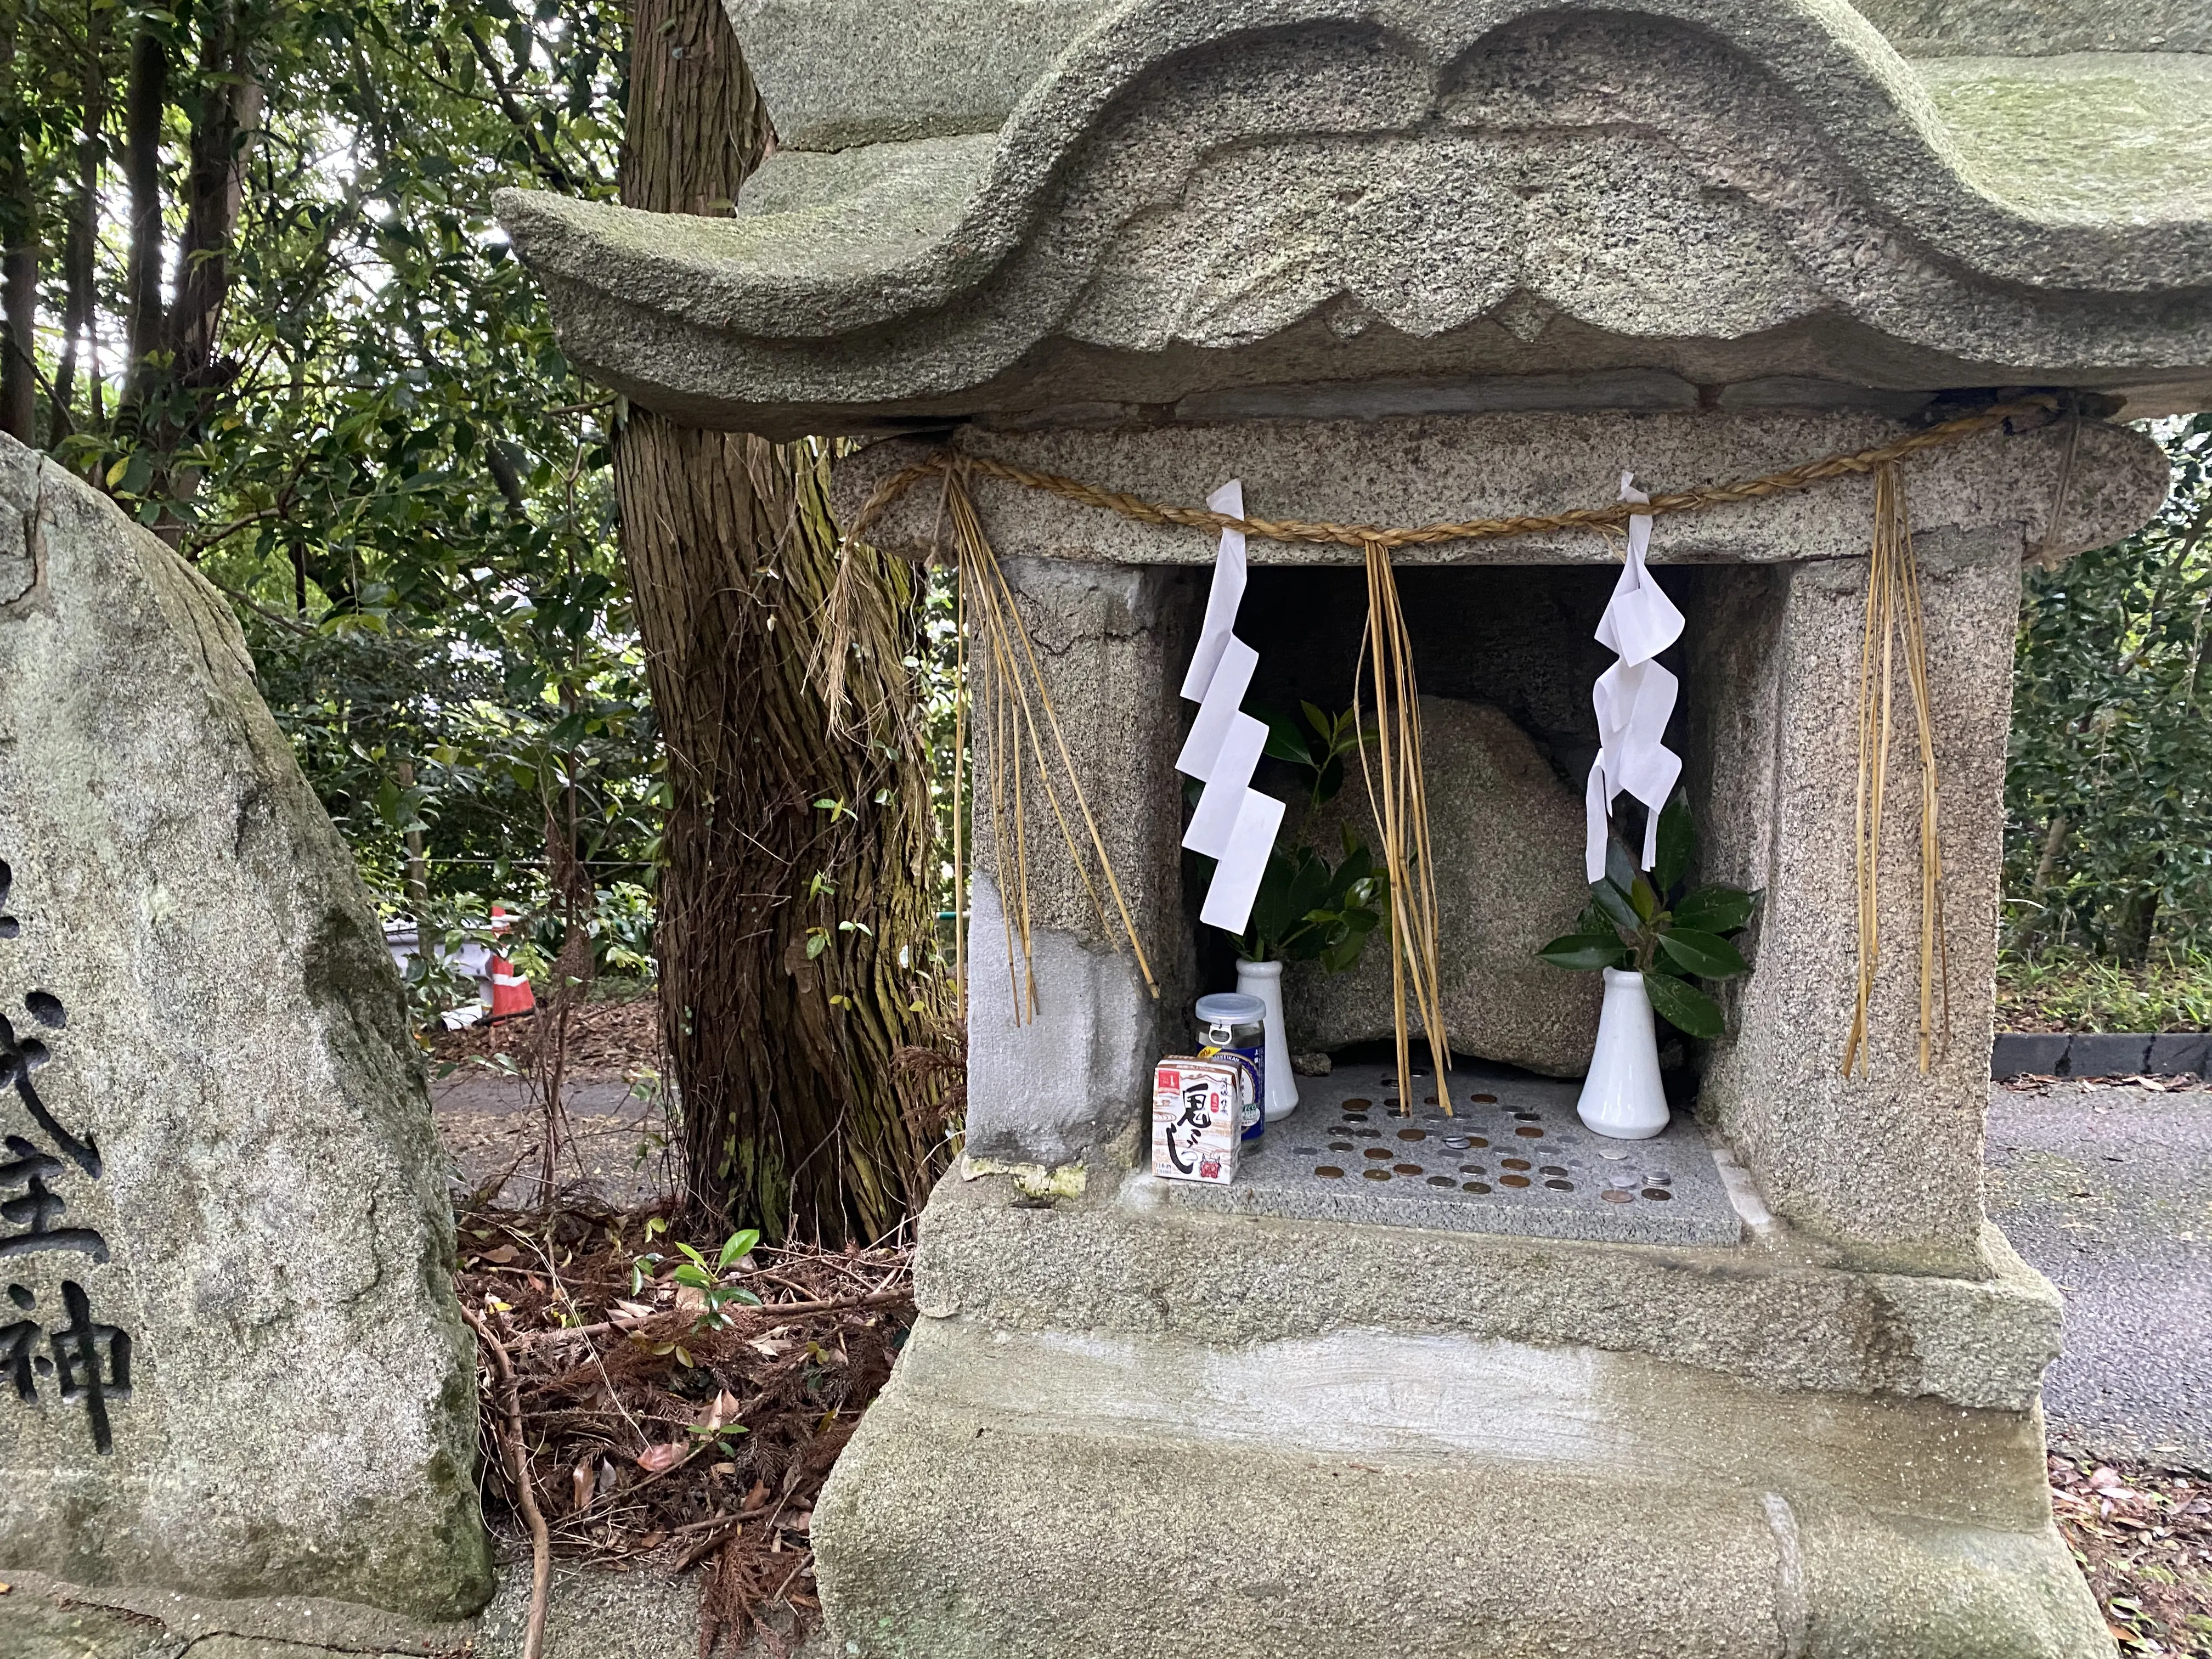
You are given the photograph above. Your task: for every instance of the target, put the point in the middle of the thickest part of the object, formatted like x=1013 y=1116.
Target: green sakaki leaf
x=1585 y=952
x=1707 y=955
x=1715 y=909
x=1678 y=844
x=1613 y=904
x=1686 y=1009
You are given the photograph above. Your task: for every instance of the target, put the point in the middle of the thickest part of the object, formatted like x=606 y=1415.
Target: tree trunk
x=19 y=274
x=145 y=97
x=796 y=909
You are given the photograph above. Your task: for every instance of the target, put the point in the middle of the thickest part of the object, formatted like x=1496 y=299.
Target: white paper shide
x=1235 y=824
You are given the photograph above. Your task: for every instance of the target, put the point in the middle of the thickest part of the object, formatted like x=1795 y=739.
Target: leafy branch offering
x=1308 y=909
x=1652 y=925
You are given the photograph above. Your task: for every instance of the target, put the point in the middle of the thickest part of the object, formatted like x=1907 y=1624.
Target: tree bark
x=19 y=272
x=796 y=908
x=146 y=95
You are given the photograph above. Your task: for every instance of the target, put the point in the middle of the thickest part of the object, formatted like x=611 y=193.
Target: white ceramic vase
x=1264 y=980
x=1622 y=1097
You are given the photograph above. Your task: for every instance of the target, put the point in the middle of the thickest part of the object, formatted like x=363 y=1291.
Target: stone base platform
x=1510 y=1157
x=1126 y=1427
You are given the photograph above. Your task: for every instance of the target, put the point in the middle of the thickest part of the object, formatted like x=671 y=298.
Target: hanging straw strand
x=1895 y=624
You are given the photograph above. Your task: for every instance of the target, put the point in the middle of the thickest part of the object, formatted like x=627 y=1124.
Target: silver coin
x=1459 y=1143
x=1622 y=1182
x=1661 y=1179
x=1608 y=1152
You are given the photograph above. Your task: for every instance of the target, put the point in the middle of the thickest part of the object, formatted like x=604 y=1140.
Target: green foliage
x=1308 y=910
x=2108 y=843
x=2073 y=991
x=384 y=457
x=1661 y=927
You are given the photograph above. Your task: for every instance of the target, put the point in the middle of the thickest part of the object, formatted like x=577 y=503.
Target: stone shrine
x=231 y=1361
x=1771 y=1389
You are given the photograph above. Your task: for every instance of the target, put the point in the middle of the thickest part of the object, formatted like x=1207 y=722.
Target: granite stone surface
x=1378 y=1493
x=1506 y=836
x=1511 y=1157
x=1887 y=1162
x=238 y=1368
x=1182 y=200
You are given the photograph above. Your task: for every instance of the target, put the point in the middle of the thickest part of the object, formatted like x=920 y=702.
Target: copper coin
x=1560 y=1186
x=1357 y=1104
x=1477 y=1140
x=1440 y=1181
x=1512 y=1162
x=1412 y=1134
x=1527 y=1133
x=1406 y=1169
x=1474 y=1186
x=1529 y=1117
x=1513 y=1181
x=1328 y=1172
x=1483 y=1100
x=1379 y=1151
x=1376 y=1174
x=1658 y=1195
x=1614 y=1196
x=1391 y=1104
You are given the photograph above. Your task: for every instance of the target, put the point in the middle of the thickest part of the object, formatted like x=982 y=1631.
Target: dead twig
x=783 y=1310
x=541 y=1541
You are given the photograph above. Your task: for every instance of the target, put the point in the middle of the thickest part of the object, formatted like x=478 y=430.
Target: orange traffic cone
x=510 y=991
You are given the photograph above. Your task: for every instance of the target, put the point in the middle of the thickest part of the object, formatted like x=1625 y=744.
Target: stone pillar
x=1886 y=1165
x=1050 y=1087
x=231 y=1362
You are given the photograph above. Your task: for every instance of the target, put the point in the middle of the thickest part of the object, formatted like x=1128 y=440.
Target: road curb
x=2099 y=1054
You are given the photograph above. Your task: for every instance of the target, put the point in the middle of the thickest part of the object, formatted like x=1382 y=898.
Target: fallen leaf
x=756 y=1499
x=655 y=1459
x=499 y=1257
x=633 y=1311
x=585 y=1480
x=773 y=1349
x=691 y=1299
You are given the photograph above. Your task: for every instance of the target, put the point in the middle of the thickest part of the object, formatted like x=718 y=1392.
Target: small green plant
x=695 y=1274
x=1661 y=928
x=1308 y=910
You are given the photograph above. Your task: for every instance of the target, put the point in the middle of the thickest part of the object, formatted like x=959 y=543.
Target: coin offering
x=1357 y=1104
x=1483 y=1100
x=1474 y=1186
x=1406 y=1169
x=1328 y=1172
x=1440 y=1181
x=1614 y=1196
x=1513 y=1181
x=1473 y=1169
x=1660 y=1193
x=1412 y=1134
x=1379 y=1151
x=1459 y=1143
x=1376 y=1174
x=1560 y=1186
x=1528 y=1134
x=1553 y=1170
x=1513 y=1162
x=1610 y=1154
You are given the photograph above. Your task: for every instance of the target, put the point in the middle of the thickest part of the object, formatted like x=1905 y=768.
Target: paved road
x=2109 y=1192
x=490 y=1126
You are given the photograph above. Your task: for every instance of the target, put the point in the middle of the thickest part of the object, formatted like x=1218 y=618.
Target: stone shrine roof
x=1099 y=211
